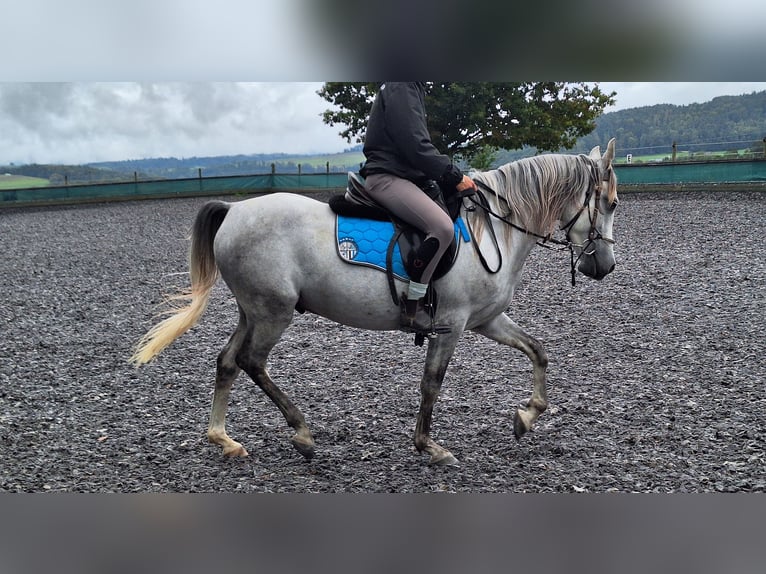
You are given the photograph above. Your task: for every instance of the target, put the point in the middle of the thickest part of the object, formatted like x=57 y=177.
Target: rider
x=399 y=158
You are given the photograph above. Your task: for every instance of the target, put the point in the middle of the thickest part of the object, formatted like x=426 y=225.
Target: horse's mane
x=537 y=189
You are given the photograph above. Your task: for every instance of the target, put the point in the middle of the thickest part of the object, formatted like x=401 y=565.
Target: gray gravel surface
x=656 y=375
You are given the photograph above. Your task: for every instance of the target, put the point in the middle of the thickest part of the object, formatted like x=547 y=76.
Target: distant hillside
x=175 y=168
x=235 y=164
x=726 y=122
x=722 y=124
x=71 y=174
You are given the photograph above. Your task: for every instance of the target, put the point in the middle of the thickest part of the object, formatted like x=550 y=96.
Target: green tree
x=483 y=159
x=468 y=118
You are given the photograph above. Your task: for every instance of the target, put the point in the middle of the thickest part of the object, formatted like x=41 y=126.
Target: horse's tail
x=203 y=273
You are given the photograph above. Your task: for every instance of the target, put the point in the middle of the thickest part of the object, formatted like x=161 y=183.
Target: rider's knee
x=444 y=233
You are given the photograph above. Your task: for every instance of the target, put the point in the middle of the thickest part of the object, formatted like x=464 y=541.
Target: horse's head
x=590 y=222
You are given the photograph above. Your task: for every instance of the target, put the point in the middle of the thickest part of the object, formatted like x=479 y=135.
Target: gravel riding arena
x=656 y=376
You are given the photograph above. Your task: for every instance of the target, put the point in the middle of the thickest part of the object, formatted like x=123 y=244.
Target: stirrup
x=415 y=318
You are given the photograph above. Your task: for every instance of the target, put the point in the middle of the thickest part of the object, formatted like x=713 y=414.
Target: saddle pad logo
x=348 y=248
x=365 y=242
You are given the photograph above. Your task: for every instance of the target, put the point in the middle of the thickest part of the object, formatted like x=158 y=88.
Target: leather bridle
x=593 y=233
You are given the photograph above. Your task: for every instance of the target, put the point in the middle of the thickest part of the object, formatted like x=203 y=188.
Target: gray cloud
x=636 y=94
x=166 y=45
x=85 y=122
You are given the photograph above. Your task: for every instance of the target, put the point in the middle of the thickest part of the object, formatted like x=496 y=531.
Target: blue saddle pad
x=366 y=241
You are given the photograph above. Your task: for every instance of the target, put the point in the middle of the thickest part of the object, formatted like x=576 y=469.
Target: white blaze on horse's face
x=591 y=233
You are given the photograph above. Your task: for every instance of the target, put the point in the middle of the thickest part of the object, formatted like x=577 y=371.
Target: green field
x=21 y=181
x=319 y=161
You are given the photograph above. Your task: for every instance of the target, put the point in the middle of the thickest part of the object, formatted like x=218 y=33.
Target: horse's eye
x=614 y=204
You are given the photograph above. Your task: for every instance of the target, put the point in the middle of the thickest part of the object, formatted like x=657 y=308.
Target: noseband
x=593 y=233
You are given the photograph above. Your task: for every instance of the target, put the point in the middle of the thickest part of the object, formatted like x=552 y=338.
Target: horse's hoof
x=303 y=446
x=519 y=427
x=444 y=459
x=235 y=451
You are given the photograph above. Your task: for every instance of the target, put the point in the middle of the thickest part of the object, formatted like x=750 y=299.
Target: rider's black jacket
x=398 y=142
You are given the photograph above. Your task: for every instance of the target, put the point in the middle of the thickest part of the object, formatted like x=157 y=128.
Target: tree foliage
x=467 y=118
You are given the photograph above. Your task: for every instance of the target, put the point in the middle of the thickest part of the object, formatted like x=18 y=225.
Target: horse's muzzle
x=596 y=266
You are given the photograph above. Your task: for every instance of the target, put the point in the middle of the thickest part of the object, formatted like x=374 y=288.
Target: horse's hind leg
x=262 y=334
x=439 y=354
x=503 y=330
x=226 y=372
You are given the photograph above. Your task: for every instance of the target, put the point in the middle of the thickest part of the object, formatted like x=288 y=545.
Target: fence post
x=328 y=164
x=199 y=172
x=273 y=168
x=674 y=152
x=299 y=170
x=764 y=148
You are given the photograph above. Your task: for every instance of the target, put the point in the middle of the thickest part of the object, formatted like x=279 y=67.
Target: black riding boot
x=415 y=318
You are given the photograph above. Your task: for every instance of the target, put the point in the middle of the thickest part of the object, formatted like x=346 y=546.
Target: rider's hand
x=467 y=183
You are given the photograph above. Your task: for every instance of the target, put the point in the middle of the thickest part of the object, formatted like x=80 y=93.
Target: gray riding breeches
x=409 y=203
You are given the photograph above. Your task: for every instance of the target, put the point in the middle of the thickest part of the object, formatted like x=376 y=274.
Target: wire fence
x=734 y=161
x=188 y=187
x=698 y=151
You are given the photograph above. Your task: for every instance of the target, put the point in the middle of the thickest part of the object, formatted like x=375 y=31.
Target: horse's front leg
x=503 y=330
x=438 y=356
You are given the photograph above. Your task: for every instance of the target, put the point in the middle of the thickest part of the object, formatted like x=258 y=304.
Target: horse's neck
x=499 y=273
x=533 y=192
x=513 y=243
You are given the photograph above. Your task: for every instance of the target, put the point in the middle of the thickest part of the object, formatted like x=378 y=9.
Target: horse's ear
x=609 y=155
x=595 y=153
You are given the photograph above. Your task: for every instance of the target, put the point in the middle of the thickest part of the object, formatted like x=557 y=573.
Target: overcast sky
x=88 y=122
x=186 y=52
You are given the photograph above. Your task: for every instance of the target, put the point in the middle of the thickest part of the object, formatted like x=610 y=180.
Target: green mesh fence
x=169 y=188
x=636 y=174
x=702 y=172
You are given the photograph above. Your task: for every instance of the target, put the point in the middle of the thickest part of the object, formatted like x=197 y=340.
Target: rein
x=593 y=233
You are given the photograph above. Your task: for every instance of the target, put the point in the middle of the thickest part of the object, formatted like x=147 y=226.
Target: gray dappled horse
x=277 y=253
